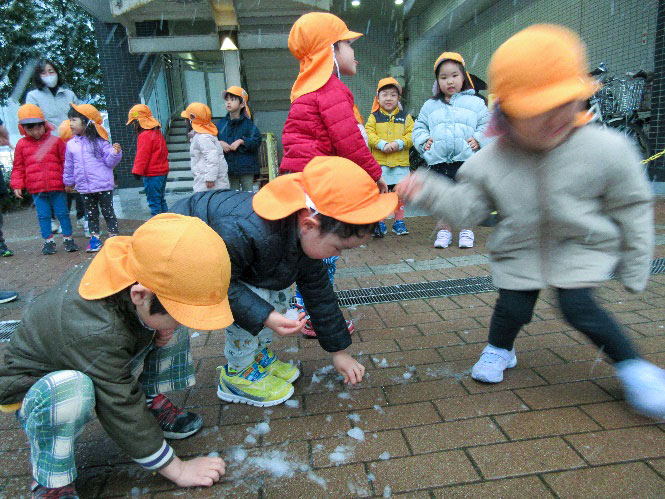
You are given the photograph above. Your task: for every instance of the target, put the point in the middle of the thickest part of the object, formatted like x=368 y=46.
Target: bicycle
x=618 y=103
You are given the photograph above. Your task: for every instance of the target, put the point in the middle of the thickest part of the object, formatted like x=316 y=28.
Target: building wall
x=621 y=33
x=657 y=128
x=124 y=75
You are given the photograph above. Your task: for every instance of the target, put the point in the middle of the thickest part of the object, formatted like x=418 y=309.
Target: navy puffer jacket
x=267 y=254
x=245 y=159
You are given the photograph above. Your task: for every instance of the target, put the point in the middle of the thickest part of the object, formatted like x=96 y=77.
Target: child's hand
x=284 y=326
x=197 y=472
x=236 y=144
x=18 y=193
x=210 y=184
x=428 y=144
x=70 y=189
x=225 y=146
x=473 y=143
x=383 y=187
x=117 y=148
x=352 y=370
x=388 y=148
x=409 y=188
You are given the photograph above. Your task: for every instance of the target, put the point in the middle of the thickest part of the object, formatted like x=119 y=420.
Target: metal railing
x=268 y=157
x=155 y=94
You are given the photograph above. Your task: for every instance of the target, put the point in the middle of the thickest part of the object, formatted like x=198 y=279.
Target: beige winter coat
x=207 y=162
x=568 y=217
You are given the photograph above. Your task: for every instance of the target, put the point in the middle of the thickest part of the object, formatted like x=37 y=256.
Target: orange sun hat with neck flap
x=165 y=256
x=142 y=114
x=330 y=185
x=65 y=131
x=239 y=92
x=449 y=56
x=538 y=69
x=94 y=117
x=384 y=82
x=310 y=41
x=201 y=117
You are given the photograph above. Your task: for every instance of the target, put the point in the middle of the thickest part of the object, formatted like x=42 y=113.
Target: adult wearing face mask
x=50 y=93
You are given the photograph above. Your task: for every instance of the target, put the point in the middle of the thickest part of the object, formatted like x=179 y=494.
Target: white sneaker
x=466 y=239
x=644 y=386
x=55 y=227
x=443 y=239
x=493 y=361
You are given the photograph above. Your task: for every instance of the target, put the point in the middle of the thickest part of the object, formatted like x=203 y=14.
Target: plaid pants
x=57 y=407
x=242 y=347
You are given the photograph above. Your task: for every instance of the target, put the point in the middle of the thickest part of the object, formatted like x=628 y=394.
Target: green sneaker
x=252 y=386
x=4 y=250
x=268 y=360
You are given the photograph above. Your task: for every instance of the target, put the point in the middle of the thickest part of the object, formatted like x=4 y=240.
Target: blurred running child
x=89 y=163
x=571 y=214
x=240 y=140
x=275 y=238
x=151 y=162
x=389 y=130
x=75 y=352
x=38 y=168
x=450 y=128
x=209 y=167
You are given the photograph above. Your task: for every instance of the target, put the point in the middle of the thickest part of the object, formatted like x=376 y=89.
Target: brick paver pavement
x=557 y=426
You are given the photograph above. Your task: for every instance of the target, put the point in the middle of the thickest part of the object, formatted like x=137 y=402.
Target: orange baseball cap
x=384 y=82
x=65 y=131
x=29 y=113
x=542 y=67
x=333 y=186
x=91 y=112
x=201 y=117
x=165 y=256
x=239 y=92
x=310 y=41
x=142 y=113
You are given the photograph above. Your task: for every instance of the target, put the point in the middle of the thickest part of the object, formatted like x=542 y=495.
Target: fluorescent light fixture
x=355 y=3
x=399 y=2
x=227 y=44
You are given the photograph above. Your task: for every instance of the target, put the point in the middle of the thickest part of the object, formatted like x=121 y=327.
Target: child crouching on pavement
x=278 y=237
x=78 y=343
x=574 y=205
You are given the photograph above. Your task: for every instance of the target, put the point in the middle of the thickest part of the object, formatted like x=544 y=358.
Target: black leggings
x=514 y=309
x=93 y=201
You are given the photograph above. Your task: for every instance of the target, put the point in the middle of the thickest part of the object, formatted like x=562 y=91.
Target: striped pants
x=57 y=407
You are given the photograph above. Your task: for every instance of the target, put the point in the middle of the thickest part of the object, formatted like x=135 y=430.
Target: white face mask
x=50 y=81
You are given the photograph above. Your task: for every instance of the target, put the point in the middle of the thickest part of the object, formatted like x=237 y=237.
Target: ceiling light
x=227 y=44
x=399 y=2
x=355 y=3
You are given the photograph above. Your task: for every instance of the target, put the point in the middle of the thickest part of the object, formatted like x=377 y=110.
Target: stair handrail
x=272 y=157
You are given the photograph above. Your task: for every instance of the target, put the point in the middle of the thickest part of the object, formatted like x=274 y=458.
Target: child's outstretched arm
x=629 y=202
x=111 y=154
x=17 y=179
x=197 y=472
x=481 y=126
x=421 y=133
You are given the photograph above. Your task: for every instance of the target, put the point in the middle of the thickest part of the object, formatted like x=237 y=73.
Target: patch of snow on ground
x=356 y=433
x=340 y=455
x=384 y=456
x=292 y=403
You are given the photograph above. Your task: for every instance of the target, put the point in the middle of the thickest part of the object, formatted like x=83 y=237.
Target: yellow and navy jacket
x=382 y=128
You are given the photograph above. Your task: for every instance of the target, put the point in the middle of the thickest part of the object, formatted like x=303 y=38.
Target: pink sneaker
x=309 y=332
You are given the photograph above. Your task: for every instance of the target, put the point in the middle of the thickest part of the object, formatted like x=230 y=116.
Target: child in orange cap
x=89 y=163
x=209 y=167
x=571 y=214
x=38 y=168
x=450 y=128
x=389 y=130
x=240 y=140
x=275 y=238
x=78 y=344
x=152 y=157
x=66 y=134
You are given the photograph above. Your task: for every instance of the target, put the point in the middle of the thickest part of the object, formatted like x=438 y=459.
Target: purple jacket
x=89 y=173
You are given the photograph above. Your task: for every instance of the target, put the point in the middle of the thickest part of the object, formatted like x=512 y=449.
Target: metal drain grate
x=434 y=289
x=6 y=330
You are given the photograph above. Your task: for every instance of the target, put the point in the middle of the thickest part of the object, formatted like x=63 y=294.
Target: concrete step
x=179 y=167
x=179 y=187
x=178 y=155
x=177 y=147
x=179 y=178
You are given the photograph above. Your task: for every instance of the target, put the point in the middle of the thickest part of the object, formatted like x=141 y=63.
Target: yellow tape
x=655 y=156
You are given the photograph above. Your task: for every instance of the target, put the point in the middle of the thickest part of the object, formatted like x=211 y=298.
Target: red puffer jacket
x=152 y=156
x=38 y=164
x=322 y=123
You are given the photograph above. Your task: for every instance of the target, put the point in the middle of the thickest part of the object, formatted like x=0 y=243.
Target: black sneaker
x=174 y=422
x=49 y=247
x=41 y=492
x=70 y=245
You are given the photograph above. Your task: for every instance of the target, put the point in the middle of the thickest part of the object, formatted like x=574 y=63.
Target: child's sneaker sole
x=179 y=436
x=237 y=399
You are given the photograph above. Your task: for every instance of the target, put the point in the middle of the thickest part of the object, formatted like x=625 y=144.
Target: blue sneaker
x=399 y=228
x=380 y=229
x=7 y=296
x=94 y=245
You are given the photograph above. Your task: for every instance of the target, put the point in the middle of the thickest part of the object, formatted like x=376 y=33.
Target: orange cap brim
x=286 y=195
x=205 y=317
x=209 y=128
x=541 y=100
